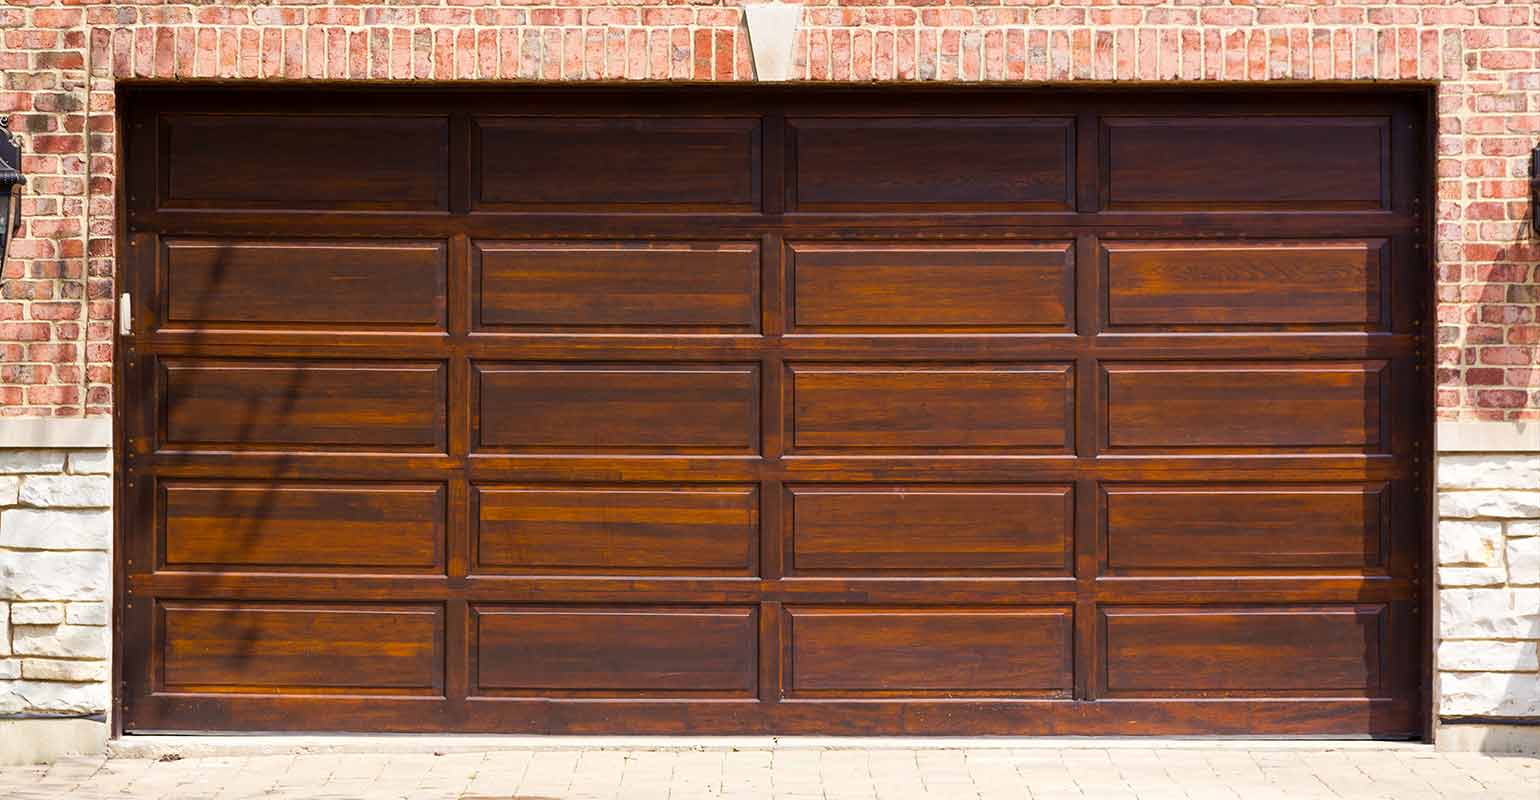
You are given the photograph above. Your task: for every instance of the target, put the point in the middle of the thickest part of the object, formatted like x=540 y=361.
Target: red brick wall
x=61 y=59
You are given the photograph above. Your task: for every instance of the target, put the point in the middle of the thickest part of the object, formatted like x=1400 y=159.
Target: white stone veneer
x=55 y=581
x=1489 y=585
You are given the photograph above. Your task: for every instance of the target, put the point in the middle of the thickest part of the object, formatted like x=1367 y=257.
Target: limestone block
x=1472 y=576
x=48 y=669
x=17 y=462
x=1501 y=504
x=55 y=529
x=1470 y=542
x=1524 y=561
x=86 y=614
x=90 y=462
x=37 y=613
x=1489 y=613
x=50 y=575
x=53 y=697
x=1496 y=694
x=66 y=491
x=1479 y=656
x=1489 y=471
x=62 y=641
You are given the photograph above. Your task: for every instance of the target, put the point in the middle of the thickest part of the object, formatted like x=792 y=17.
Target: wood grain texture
x=677 y=163
x=1261 y=404
x=925 y=287
x=931 y=529
x=914 y=652
x=598 y=530
x=310 y=162
x=1244 y=162
x=609 y=408
x=618 y=286
x=246 y=403
x=1240 y=527
x=938 y=408
x=930 y=163
x=1259 y=650
x=301 y=648
x=746 y=410
x=1224 y=284
x=607 y=651
x=301 y=282
x=298 y=526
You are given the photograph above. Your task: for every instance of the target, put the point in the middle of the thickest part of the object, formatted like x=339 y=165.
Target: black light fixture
x=11 y=180
x=1534 y=188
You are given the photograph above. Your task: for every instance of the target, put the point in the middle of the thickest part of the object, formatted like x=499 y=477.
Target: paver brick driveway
x=1400 y=773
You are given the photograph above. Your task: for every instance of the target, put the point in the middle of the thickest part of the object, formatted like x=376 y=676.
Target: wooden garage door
x=796 y=411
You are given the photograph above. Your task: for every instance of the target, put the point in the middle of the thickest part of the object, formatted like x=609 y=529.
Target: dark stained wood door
x=783 y=410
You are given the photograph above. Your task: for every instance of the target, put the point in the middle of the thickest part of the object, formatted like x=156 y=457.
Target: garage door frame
x=131 y=379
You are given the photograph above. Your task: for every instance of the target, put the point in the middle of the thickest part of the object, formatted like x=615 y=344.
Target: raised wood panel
x=921 y=286
x=327 y=283
x=312 y=162
x=331 y=648
x=1250 y=528
x=931 y=407
x=639 y=162
x=339 y=404
x=938 y=163
x=1246 y=162
x=931 y=529
x=598 y=530
x=610 y=651
x=1223 y=284
x=598 y=408
x=953 y=652
x=618 y=285
x=243 y=526
x=1262 y=650
x=1272 y=405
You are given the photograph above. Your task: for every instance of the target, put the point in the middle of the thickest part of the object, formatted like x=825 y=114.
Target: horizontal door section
x=929 y=408
x=854 y=651
x=616 y=286
x=850 y=530
x=1240 y=528
x=293 y=526
x=617 y=408
x=253 y=404
x=1241 y=162
x=1244 y=651
x=616 y=530
x=619 y=163
x=609 y=651
x=903 y=163
x=331 y=162
x=293 y=648
x=1182 y=285
x=357 y=284
x=930 y=287
x=1339 y=406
